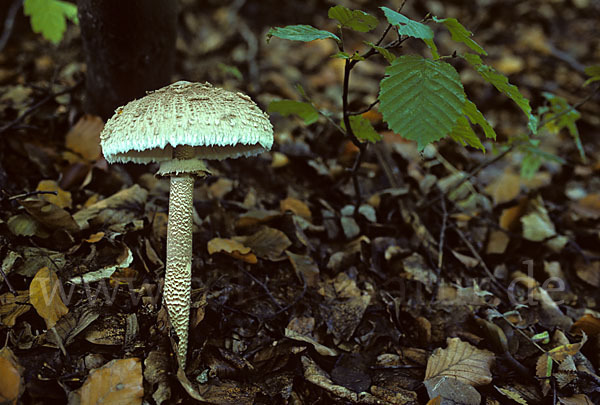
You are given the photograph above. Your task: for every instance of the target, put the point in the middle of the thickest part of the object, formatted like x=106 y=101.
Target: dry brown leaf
x=11 y=379
x=543 y=370
x=505 y=187
x=509 y=64
x=156 y=372
x=95 y=237
x=50 y=215
x=588 y=206
x=588 y=272
x=279 y=160
x=561 y=352
x=25 y=225
x=12 y=306
x=117 y=382
x=62 y=198
x=497 y=243
x=159 y=225
x=577 y=399
x=121 y=207
x=220 y=188
x=267 y=243
x=537 y=225
x=233 y=248
x=461 y=361
x=305 y=266
x=296 y=206
x=84 y=137
x=588 y=324
x=509 y=219
x=45 y=296
x=435 y=401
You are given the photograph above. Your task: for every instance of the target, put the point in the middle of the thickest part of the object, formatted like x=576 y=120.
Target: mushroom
x=177 y=126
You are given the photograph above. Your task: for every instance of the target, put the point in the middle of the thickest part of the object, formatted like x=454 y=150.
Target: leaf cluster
x=422 y=98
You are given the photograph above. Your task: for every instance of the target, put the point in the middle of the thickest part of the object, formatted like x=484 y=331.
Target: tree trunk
x=129 y=49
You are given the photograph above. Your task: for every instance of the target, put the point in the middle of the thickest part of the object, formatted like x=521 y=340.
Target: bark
x=129 y=48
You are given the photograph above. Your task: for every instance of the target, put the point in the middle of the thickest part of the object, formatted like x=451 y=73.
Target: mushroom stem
x=178 y=278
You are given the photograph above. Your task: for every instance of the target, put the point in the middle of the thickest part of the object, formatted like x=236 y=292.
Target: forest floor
x=457 y=279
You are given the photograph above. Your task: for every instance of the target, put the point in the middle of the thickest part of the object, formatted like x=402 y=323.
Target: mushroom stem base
x=178 y=278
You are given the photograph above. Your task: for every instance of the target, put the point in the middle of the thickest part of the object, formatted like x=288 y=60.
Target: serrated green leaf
x=48 y=17
x=362 y=128
x=421 y=99
x=306 y=111
x=476 y=117
x=561 y=115
x=406 y=26
x=384 y=52
x=464 y=134
x=500 y=82
x=353 y=19
x=304 y=33
x=593 y=72
x=460 y=34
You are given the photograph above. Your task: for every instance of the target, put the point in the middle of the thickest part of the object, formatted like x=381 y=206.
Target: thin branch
x=9 y=22
x=37 y=105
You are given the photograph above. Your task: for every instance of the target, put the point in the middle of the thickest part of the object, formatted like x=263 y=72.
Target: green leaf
x=500 y=82
x=230 y=70
x=464 y=134
x=421 y=99
x=533 y=157
x=476 y=117
x=594 y=72
x=406 y=26
x=384 y=52
x=353 y=19
x=362 y=128
x=460 y=34
x=346 y=55
x=48 y=17
x=561 y=115
x=431 y=45
x=304 y=33
x=306 y=111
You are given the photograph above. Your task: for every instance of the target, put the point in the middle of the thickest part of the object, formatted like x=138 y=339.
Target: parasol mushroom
x=177 y=126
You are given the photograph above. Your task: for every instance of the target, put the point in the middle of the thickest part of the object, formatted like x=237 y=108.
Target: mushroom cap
x=217 y=123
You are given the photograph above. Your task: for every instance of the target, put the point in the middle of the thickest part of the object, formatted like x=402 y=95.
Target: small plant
x=49 y=17
x=422 y=98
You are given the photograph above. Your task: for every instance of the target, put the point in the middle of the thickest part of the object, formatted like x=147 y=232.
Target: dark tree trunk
x=129 y=49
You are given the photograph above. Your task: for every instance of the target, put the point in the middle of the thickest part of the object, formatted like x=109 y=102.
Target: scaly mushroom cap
x=217 y=123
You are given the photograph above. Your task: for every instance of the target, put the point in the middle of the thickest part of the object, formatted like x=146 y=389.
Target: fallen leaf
x=510 y=216
x=588 y=271
x=461 y=361
x=12 y=306
x=537 y=225
x=62 y=198
x=233 y=248
x=305 y=266
x=155 y=372
x=497 y=243
x=45 y=296
x=84 y=137
x=505 y=187
x=588 y=206
x=296 y=206
x=11 y=378
x=50 y=215
x=588 y=324
x=220 y=188
x=117 y=382
x=268 y=243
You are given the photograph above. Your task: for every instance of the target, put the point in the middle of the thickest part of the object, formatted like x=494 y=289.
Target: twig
x=38 y=105
x=9 y=22
x=31 y=194
x=478 y=257
x=442 y=232
x=10 y=287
